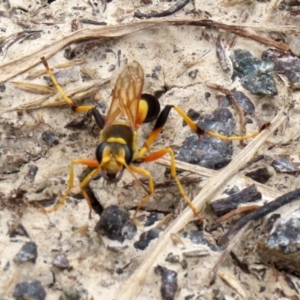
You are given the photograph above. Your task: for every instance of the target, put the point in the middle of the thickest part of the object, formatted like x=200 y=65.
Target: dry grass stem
x=42 y=71
x=15 y=67
x=80 y=92
x=244 y=180
x=34 y=88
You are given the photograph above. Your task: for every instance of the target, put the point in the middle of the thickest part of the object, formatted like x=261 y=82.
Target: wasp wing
x=126 y=96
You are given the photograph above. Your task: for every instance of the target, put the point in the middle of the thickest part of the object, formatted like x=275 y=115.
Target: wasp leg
x=98 y=118
x=82 y=161
x=161 y=153
x=146 y=173
x=74 y=107
x=200 y=132
x=162 y=119
x=160 y=122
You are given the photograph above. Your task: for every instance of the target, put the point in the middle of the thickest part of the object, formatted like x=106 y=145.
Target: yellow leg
x=152 y=137
x=133 y=169
x=160 y=122
x=200 y=132
x=163 y=118
x=187 y=119
x=151 y=185
x=232 y=138
x=158 y=154
x=75 y=108
x=83 y=161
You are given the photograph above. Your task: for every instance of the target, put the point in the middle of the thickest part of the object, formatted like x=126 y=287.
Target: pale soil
x=178 y=50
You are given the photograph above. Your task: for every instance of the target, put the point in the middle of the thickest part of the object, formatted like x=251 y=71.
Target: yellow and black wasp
x=117 y=149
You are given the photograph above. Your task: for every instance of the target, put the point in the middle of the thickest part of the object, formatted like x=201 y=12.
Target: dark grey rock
x=116 y=224
x=146 y=238
x=27 y=253
x=208 y=151
x=32 y=290
x=255 y=75
x=61 y=262
x=169 y=285
x=280 y=244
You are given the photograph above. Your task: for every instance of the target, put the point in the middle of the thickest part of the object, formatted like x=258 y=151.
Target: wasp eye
x=99 y=151
x=128 y=154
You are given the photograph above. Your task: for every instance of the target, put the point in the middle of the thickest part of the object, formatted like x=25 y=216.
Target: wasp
x=117 y=149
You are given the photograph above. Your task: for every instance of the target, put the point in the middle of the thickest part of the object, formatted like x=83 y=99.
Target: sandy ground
x=167 y=55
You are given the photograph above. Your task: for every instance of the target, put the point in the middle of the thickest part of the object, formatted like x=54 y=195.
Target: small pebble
x=50 y=138
x=193 y=73
x=61 y=262
x=115 y=224
x=261 y=175
x=32 y=171
x=146 y=238
x=29 y=290
x=171 y=258
x=197 y=237
x=28 y=252
x=70 y=294
x=15 y=228
x=169 y=283
x=151 y=219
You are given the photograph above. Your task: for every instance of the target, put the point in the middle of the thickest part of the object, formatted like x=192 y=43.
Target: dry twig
x=15 y=67
x=80 y=92
x=180 y=165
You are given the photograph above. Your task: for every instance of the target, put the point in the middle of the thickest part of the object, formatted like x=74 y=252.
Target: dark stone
x=146 y=238
x=50 y=138
x=280 y=243
x=115 y=224
x=171 y=258
x=285 y=64
x=197 y=237
x=32 y=171
x=284 y=165
x=151 y=219
x=206 y=151
x=193 y=73
x=231 y=191
x=15 y=228
x=129 y=230
x=244 y=101
x=155 y=72
x=2 y=87
x=255 y=75
x=28 y=252
x=169 y=285
x=32 y=290
x=261 y=175
x=61 y=262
